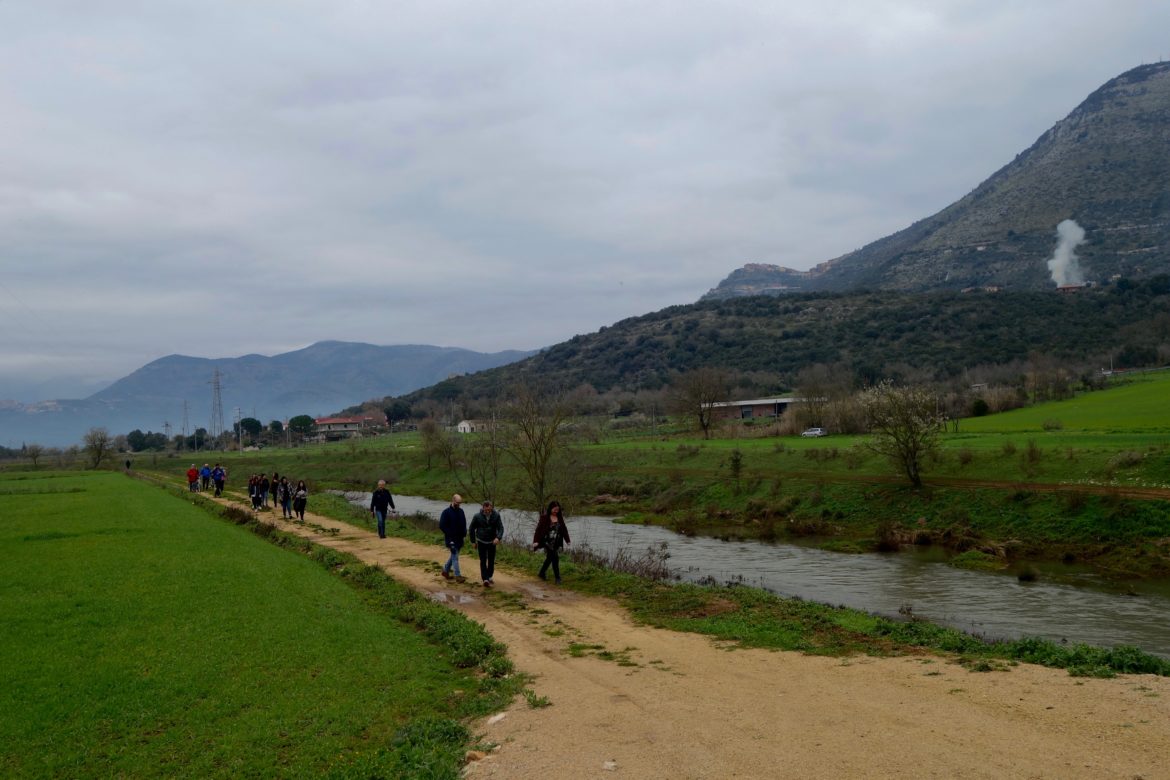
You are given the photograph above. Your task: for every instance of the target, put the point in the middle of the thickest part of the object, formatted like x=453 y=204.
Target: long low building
x=756 y=407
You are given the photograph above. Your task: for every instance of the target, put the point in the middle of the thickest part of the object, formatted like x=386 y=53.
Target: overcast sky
x=217 y=178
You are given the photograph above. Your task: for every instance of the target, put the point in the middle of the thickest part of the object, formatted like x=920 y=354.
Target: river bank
x=625 y=697
x=1066 y=603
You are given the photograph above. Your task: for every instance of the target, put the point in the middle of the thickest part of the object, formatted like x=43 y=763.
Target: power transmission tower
x=186 y=424
x=167 y=429
x=216 y=425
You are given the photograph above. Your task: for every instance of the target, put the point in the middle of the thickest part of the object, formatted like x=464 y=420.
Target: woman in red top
x=192 y=478
x=552 y=534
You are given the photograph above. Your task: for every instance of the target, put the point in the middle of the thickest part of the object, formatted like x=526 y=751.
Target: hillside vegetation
x=902 y=336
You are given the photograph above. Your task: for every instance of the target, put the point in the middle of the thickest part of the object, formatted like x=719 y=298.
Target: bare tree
x=695 y=394
x=96 y=444
x=33 y=452
x=536 y=419
x=905 y=424
x=477 y=463
x=436 y=442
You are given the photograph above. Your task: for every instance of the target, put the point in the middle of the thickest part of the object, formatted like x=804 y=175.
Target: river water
x=1065 y=604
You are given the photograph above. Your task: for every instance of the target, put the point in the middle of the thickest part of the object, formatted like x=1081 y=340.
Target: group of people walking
x=201 y=479
x=291 y=500
x=486 y=531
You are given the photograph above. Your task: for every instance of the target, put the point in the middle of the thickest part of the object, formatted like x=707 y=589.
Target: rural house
x=474 y=426
x=329 y=428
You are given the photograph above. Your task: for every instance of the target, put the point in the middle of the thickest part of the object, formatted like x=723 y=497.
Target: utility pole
x=239 y=430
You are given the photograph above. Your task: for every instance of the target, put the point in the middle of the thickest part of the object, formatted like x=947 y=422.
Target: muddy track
x=638 y=702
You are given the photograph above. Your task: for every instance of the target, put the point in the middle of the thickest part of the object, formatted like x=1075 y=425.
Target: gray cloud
x=221 y=178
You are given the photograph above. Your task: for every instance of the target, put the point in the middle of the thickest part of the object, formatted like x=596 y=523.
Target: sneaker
x=460 y=578
x=446 y=574
x=487 y=583
x=543 y=576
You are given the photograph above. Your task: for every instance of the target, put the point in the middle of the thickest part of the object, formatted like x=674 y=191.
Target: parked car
x=815 y=432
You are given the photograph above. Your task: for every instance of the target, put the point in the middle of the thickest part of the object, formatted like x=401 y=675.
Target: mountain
x=315 y=380
x=872 y=335
x=1106 y=166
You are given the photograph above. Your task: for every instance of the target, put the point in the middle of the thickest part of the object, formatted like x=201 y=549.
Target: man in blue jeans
x=380 y=505
x=453 y=524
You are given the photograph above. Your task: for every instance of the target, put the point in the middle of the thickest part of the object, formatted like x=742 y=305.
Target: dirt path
x=673 y=705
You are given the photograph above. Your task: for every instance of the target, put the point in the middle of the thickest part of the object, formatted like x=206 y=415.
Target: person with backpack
x=218 y=476
x=486 y=531
x=551 y=534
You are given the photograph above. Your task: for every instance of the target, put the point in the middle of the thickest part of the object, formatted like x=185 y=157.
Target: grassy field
x=140 y=636
x=1136 y=403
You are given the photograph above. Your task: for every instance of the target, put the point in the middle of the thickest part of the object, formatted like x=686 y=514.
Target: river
x=1065 y=604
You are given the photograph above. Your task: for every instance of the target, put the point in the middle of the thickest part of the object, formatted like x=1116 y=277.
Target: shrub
x=966 y=456
x=1125 y=460
x=1008 y=448
x=1052 y=425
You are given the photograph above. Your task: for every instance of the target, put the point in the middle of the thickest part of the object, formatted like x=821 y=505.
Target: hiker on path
x=381 y=502
x=552 y=534
x=486 y=531
x=205 y=476
x=453 y=524
x=264 y=485
x=300 y=500
x=193 y=478
x=218 y=475
x=284 y=497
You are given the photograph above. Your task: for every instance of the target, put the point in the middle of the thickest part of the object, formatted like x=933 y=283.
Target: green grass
x=1139 y=403
x=140 y=636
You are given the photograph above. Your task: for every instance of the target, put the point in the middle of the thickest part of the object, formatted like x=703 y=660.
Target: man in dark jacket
x=380 y=505
x=453 y=524
x=486 y=531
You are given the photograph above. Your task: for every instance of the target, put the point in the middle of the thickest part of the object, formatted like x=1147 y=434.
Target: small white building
x=474 y=426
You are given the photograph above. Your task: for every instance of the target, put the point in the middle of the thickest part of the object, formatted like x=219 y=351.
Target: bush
x=966 y=456
x=1125 y=460
x=1008 y=448
x=1052 y=425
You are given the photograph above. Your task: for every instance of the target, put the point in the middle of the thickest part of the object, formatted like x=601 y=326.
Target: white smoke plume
x=1063 y=264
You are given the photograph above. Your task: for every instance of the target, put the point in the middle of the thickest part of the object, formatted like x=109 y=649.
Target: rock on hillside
x=1106 y=165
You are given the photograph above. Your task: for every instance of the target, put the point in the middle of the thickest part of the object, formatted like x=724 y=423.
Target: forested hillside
x=768 y=340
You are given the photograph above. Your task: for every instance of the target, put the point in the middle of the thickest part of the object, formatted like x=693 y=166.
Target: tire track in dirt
x=676 y=705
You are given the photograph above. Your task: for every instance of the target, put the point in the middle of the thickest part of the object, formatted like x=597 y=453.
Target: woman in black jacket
x=552 y=534
x=300 y=499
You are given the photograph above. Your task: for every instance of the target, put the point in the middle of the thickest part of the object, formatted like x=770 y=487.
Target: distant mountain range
x=1106 y=166
x=316 y=380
